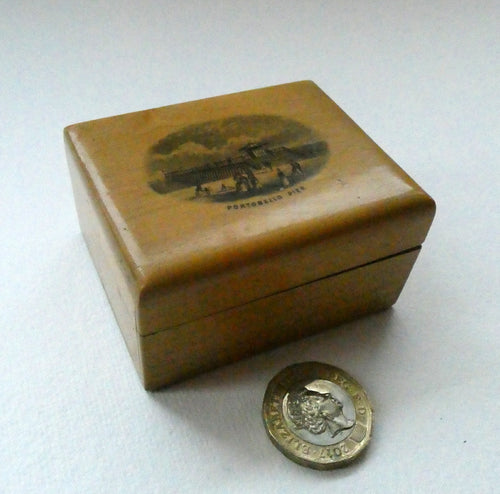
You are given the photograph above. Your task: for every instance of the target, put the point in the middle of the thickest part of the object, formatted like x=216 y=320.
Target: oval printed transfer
x=235 y=158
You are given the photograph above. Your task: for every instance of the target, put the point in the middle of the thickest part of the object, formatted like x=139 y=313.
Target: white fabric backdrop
x=421 y=78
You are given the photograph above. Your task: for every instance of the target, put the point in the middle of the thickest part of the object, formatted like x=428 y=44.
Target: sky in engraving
x=215 y=140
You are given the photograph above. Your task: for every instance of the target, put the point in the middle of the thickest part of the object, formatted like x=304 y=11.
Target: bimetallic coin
x=317 y=415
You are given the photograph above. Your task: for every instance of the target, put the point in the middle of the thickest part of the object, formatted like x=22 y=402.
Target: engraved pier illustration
x=235 y=158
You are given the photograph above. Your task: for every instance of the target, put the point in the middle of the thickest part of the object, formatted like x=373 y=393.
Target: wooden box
x=229 y=225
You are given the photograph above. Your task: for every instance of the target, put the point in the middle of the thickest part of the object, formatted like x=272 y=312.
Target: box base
x=225 y=337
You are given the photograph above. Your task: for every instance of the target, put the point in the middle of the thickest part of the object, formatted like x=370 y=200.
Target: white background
x=420 y=78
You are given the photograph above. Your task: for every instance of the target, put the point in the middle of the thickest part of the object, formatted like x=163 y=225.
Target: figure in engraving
x=254 y=183
x=199 y=191
x=317 y=411
x=241 y=181
x=284 y=182
x=296 y=172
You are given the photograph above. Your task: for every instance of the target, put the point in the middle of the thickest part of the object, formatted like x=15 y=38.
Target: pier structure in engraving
x=253 y=158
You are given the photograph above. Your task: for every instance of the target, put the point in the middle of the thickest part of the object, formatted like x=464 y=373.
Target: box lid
x=218 y=202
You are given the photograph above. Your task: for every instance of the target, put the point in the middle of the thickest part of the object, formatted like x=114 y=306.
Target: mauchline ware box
x=229 y=225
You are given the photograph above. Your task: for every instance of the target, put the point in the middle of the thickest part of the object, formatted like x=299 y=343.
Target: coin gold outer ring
x=319 y=457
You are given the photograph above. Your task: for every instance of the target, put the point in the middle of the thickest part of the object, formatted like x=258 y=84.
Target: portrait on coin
x=316 y=409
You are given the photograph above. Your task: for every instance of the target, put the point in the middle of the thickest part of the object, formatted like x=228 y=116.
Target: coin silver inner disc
x=319 y=412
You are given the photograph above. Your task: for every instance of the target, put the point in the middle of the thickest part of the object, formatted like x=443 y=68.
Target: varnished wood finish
x=224 y=280
x=221 y=338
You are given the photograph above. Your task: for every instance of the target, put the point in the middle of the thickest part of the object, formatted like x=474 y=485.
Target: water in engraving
x=319 y=412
